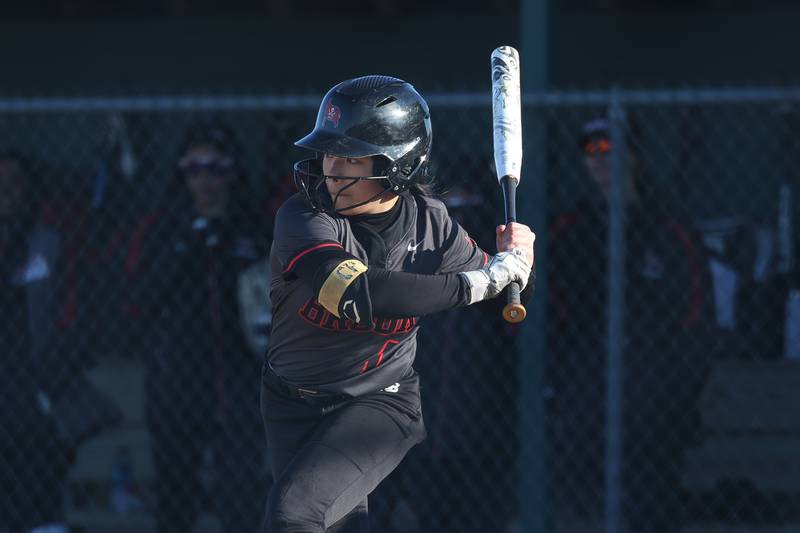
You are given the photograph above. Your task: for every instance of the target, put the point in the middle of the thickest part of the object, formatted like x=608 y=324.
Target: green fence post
x=532 y=204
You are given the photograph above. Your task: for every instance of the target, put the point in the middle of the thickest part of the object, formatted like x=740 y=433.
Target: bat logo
x=333 y=114
x=502 y=92
x=505 y=93
x=505 y=72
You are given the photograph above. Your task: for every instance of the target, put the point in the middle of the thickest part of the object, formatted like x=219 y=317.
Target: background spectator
x=666 y=354
x=185 y=263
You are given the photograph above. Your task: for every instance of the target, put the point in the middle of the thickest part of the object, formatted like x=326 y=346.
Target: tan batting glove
x=490 y=280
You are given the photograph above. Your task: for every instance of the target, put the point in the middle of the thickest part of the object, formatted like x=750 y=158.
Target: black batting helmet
x=378 y=116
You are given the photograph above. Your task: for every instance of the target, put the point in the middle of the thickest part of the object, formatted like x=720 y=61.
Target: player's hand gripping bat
x=507 y=126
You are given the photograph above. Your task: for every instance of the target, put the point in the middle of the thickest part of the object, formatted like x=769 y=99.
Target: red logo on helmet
x=333 y=114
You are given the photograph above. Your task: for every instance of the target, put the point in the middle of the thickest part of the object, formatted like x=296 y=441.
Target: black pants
x=326 y=459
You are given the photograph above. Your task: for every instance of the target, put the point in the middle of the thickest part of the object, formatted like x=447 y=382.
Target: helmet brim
x=328 y=142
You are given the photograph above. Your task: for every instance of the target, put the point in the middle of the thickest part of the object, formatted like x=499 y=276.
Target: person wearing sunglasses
x=186 y=265
x=595 y=146
x=208 y=175
x=668 y=319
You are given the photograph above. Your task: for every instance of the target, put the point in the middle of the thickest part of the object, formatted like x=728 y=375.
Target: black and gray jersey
x=312 y=347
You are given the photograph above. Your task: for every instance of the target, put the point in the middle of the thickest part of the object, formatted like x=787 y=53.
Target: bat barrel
x=506 y=112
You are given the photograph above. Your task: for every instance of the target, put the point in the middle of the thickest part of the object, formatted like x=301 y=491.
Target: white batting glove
x=503 y=268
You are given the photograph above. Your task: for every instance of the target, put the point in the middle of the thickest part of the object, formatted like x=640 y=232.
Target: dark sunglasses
x=215 y=166
x=598 y=146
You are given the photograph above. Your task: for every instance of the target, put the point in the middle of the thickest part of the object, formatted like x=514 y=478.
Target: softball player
x=359 y=254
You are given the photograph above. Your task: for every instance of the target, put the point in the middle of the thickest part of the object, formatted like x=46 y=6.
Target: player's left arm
x=463 y=254
x=348 y=288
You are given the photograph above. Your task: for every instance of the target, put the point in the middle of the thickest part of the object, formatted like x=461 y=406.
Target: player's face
x=345 y=192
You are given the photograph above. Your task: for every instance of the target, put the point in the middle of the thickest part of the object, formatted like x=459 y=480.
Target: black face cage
x=310 y=181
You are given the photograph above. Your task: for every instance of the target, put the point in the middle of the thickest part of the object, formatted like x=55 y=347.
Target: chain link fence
x=134 y=321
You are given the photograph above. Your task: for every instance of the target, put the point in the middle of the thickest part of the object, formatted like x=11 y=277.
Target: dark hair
x=424 y=189
x=423 y=186
x=213 y=133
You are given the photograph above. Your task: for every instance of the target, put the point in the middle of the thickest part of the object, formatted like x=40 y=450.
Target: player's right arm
x=309 y=248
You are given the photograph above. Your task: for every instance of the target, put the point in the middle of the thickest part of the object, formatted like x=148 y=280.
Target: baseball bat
x=507 y=127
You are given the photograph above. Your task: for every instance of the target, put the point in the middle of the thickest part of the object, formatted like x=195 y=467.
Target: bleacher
x=750 y=451
x=93 y=502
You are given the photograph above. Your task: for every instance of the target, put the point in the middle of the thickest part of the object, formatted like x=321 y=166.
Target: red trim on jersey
x=313 y=248
x=383 y=349
x=313 y=313
x=475 y=245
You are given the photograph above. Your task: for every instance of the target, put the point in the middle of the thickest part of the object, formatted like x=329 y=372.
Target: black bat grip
x=513 y=311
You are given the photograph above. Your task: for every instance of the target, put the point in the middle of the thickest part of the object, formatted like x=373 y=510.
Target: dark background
x=71 y=47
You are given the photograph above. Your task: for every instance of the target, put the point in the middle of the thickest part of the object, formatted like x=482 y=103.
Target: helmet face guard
x=310 y=180
x=377 y=116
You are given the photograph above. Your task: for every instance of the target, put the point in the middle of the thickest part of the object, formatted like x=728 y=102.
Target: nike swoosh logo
x=413 y=247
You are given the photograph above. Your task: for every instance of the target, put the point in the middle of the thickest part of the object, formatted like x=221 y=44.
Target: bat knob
x=514 y=313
